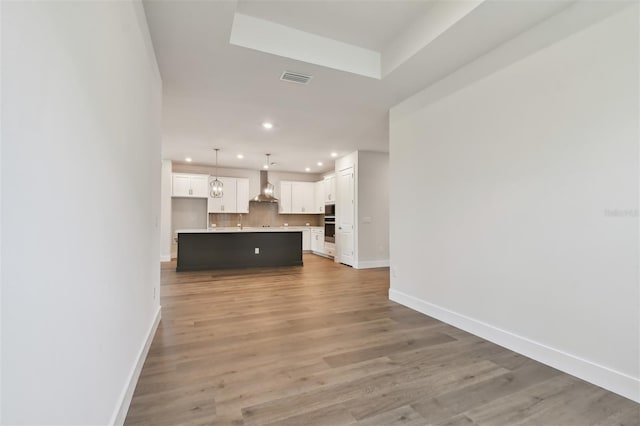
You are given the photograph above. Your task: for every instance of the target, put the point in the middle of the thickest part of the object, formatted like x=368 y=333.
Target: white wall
x=165 y=212
x=1 y=138
x=81 y=150
x=373 y=209
x=188 y=213
x=505 y=210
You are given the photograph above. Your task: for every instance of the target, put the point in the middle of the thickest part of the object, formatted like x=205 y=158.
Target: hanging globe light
x=216 y=185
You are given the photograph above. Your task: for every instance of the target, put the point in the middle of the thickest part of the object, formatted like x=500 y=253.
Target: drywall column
x=1 y=143
x=373 y=209
x=527 y=201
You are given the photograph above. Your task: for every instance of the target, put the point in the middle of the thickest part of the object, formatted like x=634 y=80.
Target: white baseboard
x=321 y=254
x=366 y=264
x=127 y=394
x=165 y=258
x=602 y=376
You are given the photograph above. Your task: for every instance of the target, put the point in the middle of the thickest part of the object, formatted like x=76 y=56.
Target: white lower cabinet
x=306 y=240
x=317 y=241
x=330 y=249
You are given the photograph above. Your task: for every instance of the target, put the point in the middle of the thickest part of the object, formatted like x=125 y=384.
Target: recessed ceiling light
x=267 y=125
x=334 y=154
x=240 y=156
x=319 y=163
x=188 y=159
x=307 y=169
x=266 y=166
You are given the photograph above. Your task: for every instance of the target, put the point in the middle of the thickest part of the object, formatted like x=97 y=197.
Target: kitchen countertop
x=248 y=229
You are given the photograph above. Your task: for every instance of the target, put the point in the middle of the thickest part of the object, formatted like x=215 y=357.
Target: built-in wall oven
x=330 y=223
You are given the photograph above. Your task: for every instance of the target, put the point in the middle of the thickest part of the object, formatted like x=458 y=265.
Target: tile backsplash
x=261 y=214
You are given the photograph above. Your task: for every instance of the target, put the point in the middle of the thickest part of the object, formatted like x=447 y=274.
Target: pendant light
x=269 y=189
x=216 y=185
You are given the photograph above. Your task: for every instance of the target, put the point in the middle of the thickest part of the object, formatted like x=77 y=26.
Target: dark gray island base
x=199 y=251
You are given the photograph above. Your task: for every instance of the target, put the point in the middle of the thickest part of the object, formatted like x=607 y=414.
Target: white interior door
x=345 y=244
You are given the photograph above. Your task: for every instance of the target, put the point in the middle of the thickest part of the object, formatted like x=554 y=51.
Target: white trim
x=165 y=258
x=120 y=415
x=366 y=264
x=602 y=376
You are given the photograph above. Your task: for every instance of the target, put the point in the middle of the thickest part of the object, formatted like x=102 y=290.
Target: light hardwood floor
x=322 y=344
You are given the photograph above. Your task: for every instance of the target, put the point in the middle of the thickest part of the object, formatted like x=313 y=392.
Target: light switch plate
x=257 y=250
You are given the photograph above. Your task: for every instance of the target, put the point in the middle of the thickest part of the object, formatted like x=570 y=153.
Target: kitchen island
x=224 y=248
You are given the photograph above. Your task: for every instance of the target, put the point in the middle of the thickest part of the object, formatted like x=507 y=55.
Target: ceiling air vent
x=295 y=77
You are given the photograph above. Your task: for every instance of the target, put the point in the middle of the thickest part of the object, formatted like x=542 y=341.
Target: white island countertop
x=222 y=229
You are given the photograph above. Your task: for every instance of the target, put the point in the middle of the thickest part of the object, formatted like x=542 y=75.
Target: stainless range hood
x=266 y=192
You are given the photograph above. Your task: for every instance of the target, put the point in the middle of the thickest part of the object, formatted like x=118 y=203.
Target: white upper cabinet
x=235 y=196
x=285 y=197
x=242 y=195
x=330 y=189
x=188 y=185
x=319 y=196
x=181 y=186
x=298 y=198
x=226 y=203
x=303 y=197
x=200 y=186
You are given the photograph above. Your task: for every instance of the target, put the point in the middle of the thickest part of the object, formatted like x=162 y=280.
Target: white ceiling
x=217 y=94
x=370 y=24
